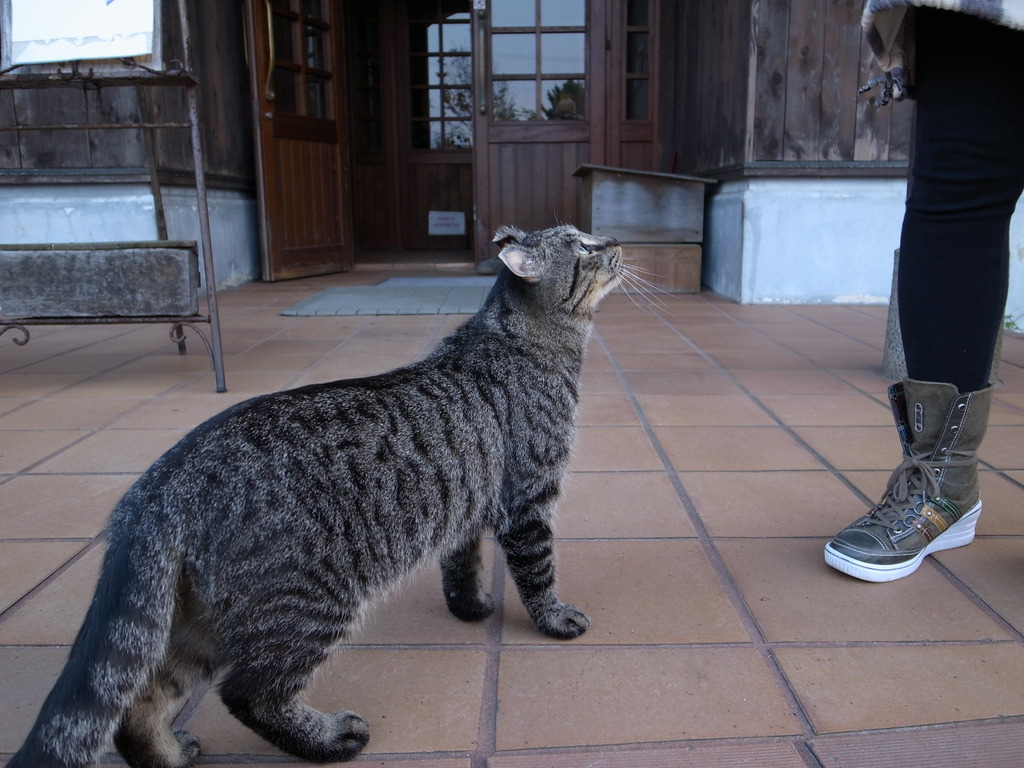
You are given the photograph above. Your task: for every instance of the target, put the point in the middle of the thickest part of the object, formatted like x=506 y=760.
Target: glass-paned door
x=541 y=110
x=562 y=83
x=411 y=86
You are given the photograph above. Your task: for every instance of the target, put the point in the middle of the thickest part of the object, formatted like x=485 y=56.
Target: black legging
x=967 y=176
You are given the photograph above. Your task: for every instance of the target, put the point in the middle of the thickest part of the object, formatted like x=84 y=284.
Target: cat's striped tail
x=122 y=640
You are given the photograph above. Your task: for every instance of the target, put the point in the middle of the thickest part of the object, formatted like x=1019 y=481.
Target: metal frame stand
x=182 y=75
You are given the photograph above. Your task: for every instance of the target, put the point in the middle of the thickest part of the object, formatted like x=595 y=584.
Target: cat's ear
x=517 y=258
x=506 y=235
x=522 y=263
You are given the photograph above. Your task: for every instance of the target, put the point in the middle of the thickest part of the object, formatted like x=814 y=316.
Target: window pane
x=456 y=38
x=286 y=90
x=564 y=100
x=368 y=105
x=637 y=100
x=563 y=13
x=436 y=141
x=636 y=13
x=315 y=48
x=420 y=135
x=514 y=54
x=515 y=100
x=456 y=70
x=459 y=134
x=369 y=135
x=636 y=53
x=368 y=72
x=438 y=103
x=366 y=38
x=283 y=48
x=433 y=70
x=458 y=102
x=313 y=9
x=512 y=13
x=316 y=97
x=419 y=103
x=562 y=52
x=419 y=67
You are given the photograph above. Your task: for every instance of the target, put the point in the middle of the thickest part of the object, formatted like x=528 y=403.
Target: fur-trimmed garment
x=888 y=26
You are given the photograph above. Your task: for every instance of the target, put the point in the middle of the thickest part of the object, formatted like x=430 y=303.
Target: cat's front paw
x=563 y=621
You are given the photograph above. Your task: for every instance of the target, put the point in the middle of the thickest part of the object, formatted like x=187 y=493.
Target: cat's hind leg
x=462 y=580
x=144 y=737
x=264 y=687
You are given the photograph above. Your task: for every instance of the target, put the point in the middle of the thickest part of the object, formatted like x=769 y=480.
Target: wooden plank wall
x=90 y=149
x=775 y=81
x=219 y=48
x=708 y=102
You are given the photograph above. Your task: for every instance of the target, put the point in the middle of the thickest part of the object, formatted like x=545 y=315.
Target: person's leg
x=967 y=175
x=954 y=260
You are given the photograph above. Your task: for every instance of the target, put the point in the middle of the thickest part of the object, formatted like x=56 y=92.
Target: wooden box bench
x=657 y=217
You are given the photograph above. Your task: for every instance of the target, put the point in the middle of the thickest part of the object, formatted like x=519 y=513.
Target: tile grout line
x=88 y=545
x=487 y=723
x=839 y=476
x=834 y=471
x=714 y=556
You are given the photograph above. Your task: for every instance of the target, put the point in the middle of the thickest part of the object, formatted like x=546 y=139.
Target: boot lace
x=914 y=479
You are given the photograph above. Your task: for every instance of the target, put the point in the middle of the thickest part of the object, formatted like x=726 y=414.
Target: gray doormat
x=399 y=296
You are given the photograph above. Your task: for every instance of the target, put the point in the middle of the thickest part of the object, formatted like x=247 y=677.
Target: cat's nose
x=610 y=242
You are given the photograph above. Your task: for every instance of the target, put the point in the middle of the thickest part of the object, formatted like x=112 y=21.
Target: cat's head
x=569 y=268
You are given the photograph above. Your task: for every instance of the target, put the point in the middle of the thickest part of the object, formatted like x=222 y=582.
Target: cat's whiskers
x=632 y=282
x=637 y=268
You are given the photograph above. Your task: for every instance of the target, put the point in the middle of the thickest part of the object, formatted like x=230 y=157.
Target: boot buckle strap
x=918 y=525
x=932 y=515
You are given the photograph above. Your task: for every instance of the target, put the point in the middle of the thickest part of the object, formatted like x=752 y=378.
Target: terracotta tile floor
x=720 y=446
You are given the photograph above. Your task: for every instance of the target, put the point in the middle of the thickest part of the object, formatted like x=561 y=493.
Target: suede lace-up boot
x=932 y=499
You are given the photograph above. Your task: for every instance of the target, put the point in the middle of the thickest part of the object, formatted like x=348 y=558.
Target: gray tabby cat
x=252 y=546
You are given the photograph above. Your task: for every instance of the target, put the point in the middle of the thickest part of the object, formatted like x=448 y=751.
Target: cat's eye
x=582 y=250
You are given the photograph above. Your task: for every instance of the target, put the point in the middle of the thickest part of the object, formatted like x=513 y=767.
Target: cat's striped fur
x=251 y=547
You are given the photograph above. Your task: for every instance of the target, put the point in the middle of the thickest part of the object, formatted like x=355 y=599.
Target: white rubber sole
x=959 y=534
